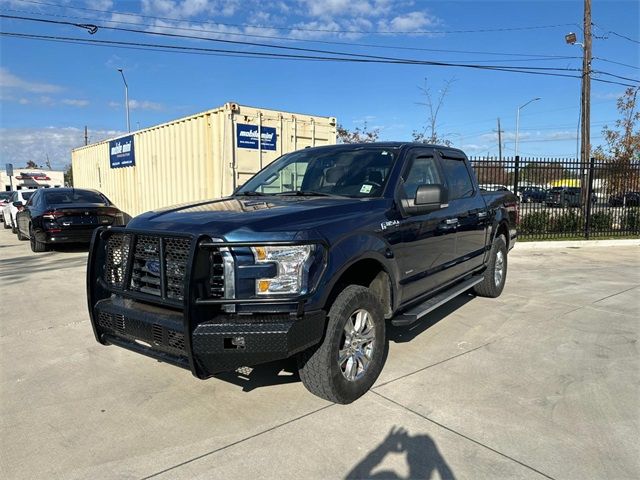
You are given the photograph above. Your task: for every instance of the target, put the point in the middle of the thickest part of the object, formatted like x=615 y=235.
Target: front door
x=427 y=247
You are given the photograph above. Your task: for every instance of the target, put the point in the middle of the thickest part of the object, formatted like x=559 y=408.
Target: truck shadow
x=422 y=457
x=285 y=371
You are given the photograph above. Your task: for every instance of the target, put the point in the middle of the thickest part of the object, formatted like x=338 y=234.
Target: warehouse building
x=25 y=178
x=203 y=156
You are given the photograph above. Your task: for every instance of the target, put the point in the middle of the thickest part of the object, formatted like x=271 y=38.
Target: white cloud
x=74 y=102
x=342 y=8
x=411 y=22
x=189 y=8
x=608 y=95
x=10 y=81
x=139 y=105
x=19 y=145
x=99 y=4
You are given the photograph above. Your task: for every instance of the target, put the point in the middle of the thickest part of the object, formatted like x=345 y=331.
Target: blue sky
x=49 y=91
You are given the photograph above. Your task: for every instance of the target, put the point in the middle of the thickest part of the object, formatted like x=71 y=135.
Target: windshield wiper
x=251 y=193
x=305 y=193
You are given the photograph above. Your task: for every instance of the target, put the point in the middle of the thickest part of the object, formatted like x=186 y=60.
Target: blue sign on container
x=122 y=153
x=247 y=137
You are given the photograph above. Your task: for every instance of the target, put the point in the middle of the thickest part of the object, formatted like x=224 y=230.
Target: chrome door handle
x=451 y=221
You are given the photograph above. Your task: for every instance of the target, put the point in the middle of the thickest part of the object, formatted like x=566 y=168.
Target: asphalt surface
x=541 y=383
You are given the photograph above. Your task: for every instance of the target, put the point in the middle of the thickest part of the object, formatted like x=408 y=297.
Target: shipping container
x=203 y=156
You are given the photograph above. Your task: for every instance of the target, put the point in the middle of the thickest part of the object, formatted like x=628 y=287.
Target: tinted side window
x=458 y=179
x=422 y=171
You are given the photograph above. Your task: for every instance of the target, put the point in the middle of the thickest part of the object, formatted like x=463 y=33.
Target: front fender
x=348 y=252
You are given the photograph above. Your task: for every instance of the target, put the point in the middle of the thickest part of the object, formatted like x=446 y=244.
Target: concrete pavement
x=540 y=383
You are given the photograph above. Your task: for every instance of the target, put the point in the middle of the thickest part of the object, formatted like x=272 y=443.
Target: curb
x=543 y=245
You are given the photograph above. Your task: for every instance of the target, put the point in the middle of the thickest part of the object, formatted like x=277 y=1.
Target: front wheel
x=347 y=362
x=495 y=275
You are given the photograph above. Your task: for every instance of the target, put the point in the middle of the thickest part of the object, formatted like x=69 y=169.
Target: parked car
x=64 y=215
x=15 y=204
x=4 y=199
x=533 y=195
x=629 y=199
x=311 y=267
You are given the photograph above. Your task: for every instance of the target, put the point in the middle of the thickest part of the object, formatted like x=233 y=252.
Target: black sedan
x=629 y=199
x=64 y=215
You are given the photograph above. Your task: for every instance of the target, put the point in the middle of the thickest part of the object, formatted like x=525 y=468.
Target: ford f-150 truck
x=309 y=258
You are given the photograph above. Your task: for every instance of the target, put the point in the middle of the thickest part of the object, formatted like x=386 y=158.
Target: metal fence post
x=516 y=174
x=587 y=220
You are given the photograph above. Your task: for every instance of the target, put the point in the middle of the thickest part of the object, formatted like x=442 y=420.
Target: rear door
x=469 y=211
x=427 y=245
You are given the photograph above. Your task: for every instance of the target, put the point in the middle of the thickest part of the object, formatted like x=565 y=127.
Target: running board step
x=419 y=311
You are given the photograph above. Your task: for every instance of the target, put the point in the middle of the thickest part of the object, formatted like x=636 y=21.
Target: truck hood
x=250 y=218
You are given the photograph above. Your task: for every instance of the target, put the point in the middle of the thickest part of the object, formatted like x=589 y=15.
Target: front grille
x=158 y=265
x=117 y=253
x=145 y=271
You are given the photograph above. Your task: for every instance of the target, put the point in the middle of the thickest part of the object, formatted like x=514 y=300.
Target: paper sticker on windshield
x=366 y=188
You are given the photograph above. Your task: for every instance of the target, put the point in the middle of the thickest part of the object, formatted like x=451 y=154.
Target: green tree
x=621 y=152
x=68 y=175
x=358 y=135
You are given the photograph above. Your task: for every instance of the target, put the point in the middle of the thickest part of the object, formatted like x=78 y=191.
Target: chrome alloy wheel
x=356 y=347
x=498 y=270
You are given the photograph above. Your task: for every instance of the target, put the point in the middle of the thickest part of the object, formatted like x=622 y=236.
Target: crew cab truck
x=310 y=258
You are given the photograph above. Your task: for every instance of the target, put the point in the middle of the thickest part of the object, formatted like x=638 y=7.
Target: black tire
x=490 y=287
x=20 y=235
x=319 y=367
x=14 y=229
x=36 y=246
x=6 y=225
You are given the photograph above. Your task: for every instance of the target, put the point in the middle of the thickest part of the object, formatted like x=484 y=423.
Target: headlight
x=292 y=264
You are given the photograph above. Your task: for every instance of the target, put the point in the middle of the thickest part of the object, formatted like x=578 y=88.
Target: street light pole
x=126 y=98
x=518 y=120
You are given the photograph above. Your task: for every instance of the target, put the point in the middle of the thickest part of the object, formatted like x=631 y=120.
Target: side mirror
x=428 y=198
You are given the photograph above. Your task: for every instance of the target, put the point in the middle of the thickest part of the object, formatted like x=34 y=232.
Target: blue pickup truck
x=311 y=258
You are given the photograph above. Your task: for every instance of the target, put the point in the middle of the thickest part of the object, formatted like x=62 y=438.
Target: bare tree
x=433 y=104
x=358 y=135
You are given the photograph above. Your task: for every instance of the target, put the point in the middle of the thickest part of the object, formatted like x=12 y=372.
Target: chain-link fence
x=565 y=198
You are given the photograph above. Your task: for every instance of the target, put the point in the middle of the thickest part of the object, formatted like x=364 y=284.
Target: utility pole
x=86 y=136
x=499 y=141
x=585 y=98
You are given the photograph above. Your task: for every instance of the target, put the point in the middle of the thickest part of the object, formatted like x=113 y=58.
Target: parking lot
x=540 y=383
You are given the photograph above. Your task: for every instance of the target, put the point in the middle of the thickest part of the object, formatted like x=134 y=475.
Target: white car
x=10 y=210
x=4 y=199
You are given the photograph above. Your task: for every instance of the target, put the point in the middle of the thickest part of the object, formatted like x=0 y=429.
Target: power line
x=284 y=56
x=294 y=29
x=616 y=63
x=538 y=57
x=611 y=32
x=92 y=28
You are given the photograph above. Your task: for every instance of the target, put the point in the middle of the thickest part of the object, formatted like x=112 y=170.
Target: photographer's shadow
x=422 y=456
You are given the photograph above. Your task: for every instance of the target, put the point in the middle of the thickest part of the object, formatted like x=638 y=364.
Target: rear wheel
x=20 y=235
x=36 y=246
x=350 y=357
x=6 y=225
x=495 y=275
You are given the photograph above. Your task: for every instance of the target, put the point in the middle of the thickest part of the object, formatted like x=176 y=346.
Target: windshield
x=357 y=172
x=27 y=195
x=58 y=197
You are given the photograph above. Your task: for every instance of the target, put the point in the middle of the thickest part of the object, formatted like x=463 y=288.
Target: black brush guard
x=186 y=327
